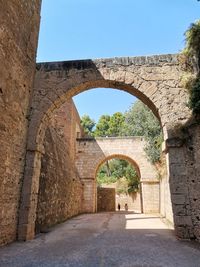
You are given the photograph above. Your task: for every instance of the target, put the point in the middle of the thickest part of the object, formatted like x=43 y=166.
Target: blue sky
x=82 y=29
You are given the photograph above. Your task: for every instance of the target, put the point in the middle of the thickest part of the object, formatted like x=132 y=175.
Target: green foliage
x=109 y=125
x=116 y=124
x=104 y=179
x=192 y=53
x=88 y=124
x=122 y=186
x=122 y=173
x=194 y=101
x=133 y=179
x=192 y=48
x=102 y=127
x=137 y=121
x=140 y=121
x=153 y=147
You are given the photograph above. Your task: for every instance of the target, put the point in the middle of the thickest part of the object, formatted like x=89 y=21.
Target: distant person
x=126 y=207
x=119 y=207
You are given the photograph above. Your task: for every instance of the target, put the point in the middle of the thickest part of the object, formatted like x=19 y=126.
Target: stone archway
x=92 y=153
x=107 y=196
x=155 y=80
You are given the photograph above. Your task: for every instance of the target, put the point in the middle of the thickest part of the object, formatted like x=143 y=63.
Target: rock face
x=60 y=189
x=19 y=26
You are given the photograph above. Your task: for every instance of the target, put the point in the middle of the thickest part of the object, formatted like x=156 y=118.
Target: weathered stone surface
x=60 y=190
x=92 y=153
x=105 y=199
x=19 y=26
x=133 y=200
x=155 y=80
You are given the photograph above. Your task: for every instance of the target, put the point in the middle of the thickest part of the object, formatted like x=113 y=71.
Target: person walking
x=126 y=207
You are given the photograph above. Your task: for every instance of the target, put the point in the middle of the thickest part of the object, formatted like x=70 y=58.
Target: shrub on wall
x=192 y=65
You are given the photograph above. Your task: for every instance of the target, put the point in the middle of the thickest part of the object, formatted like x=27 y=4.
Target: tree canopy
x=102 y=127
x=192 y=53
x=140 y=121
x=137 y=121
x=88 y=124
x=120 y=172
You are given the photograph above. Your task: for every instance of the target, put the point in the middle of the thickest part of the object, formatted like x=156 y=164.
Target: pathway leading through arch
x=155 y=80
x=91 y=153
x=105 y=239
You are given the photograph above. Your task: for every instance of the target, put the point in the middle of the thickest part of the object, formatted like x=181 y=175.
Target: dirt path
x=105 y=239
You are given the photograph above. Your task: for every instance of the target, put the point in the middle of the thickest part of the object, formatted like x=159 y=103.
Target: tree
x=192 y=48
x=122 y=173
x=192 y=53
x=133 y=179
x=140 y=121
x=102 y=126
x=88 y=124
x=110 y=125
x=116 y=124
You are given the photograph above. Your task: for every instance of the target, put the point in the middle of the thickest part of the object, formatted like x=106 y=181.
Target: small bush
x=192 y=59
x=194 y=101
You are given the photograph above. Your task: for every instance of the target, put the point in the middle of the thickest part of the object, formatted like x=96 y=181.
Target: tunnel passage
x=155 y=80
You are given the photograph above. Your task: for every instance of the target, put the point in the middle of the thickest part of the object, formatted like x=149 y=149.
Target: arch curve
x=119 y=156
x=155 y=80
x=39 y=122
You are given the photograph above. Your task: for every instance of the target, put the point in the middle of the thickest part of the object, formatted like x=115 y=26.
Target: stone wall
x=105 y=199
x=183 y=159
x=19 y=26
x=151 y=197
x=60 y=190
x=90 y=155
x=165 y=199
x=133 y=201
x=192 y=163
x=155 y=80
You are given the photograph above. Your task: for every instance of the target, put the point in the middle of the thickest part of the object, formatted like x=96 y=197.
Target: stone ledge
x=124 y=61
x=91 y=139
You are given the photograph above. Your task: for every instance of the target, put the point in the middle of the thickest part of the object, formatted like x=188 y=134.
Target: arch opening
x=38 y=127
x=118 y=185
x=57 y=82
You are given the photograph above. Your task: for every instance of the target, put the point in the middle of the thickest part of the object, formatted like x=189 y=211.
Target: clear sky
x=87 y=29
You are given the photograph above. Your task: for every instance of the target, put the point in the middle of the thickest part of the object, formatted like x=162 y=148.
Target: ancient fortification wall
x=154 y=80
x=60 y=189
x=19 y=26
x=192 y=162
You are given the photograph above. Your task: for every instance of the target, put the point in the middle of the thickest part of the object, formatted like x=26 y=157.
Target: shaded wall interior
x=19 y=27
x=60 y=191
x=105 y=199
